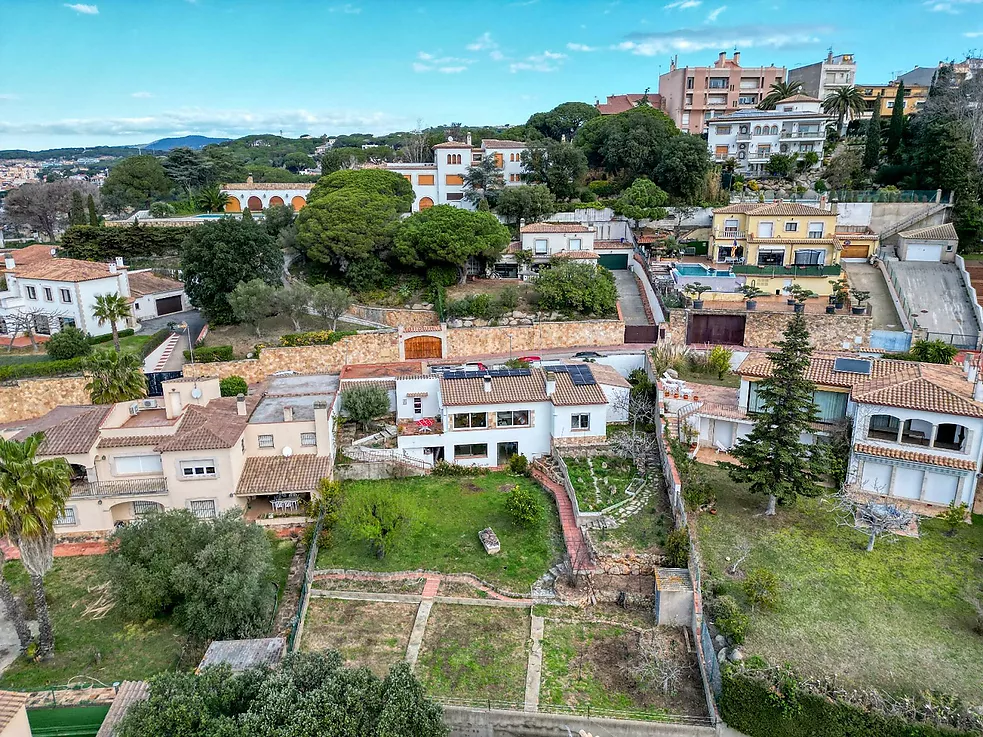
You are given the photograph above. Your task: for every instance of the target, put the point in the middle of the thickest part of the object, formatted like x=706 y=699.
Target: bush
x=443 y=276
x=69 y=342
x=677 y=548
x=509 y=298
x=718 y=360
x=232 y=386
x=97 y=339
x=761 y=588
x=455 y=470
x=519 y=464
x=95 y=243
x=328 y=499
x=373 y=515
x=156 y=340
x=41 y=368
x=315 y=337
x=523 y=505
x=602 y=187
x=577 y=288
x=365 y=403
x=212 y=354
x=161 y=210
x=731 y=620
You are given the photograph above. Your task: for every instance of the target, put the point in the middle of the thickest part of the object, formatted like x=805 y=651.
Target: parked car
x=588 y=354
x=531 y=359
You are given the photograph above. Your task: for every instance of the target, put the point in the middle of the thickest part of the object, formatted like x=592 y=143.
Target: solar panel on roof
x=852 y=366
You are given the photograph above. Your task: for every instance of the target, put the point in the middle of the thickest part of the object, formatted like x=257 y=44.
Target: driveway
x=869 y=278
x=194 y=319
x=632 y=308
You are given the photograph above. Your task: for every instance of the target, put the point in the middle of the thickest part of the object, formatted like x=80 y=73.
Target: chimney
x=721 y=57
x=469 y=138
x=737 y=58
x=550 y=383
x=487 y=383
x=972 y=374
x=241 y=405
x=53 y=251
x=119 y=262
x=288 y=413
x=8 y=262
x=249 y=179
x=563 y=138
x=823 y=202
x=450 y=139
x=978 y=391
x=112 y=267
x=966 y=364
x=522 y=223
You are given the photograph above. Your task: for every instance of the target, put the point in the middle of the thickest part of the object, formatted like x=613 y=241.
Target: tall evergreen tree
x=90 y=206
x=896 y=130
x=76 y=211
x=872 y=151
x=773 y=460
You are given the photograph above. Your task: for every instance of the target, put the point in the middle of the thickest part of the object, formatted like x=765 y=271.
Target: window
x=791 y=227
x=771 y=258
x=417 y=405
x=890 y=104
x=718 y=83
x=766 y=230
x=950 y=437
x=916 y=432
x=689 y=82
x=515 y=177
x=580 y=422
x=48 y=295
x=42 y=326
x=408 y=178
x=574 y=244
x=68 y=517
x=499 y=160
x=517 y=418
x=686 y=118
x=66 y=296
x=143 y=508
x=3 y=326
x=723 y=130
x=265 y=441
x=124 y=465
x=32 y=293
x=831 y=405
x=730 y=228
x=198 y=469
x=470 y=419
x=473 y=450
x=308 y=439
x=540 y=246
x=425 y=179
x=202 y=508
x=815 y=230
x=809 y=257
x=454 y=179
x=455 y=196
x=721 y=151
x=475 y=158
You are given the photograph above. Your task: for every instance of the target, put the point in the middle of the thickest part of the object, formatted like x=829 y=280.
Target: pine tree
x=76 y=211
x=872 y=151
x=94 y=218
x=896 y=131
x=773 y=460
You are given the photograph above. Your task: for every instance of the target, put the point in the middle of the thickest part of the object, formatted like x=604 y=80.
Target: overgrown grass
x=687 y=373
x=612 y=474
x=894 y=618
x=446 y=516
x=283 y=554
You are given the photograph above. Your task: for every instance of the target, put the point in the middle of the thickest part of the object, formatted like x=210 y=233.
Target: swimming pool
x=700 y=270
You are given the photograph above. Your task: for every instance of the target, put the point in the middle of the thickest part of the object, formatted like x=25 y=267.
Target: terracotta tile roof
x=382 y=370
x=945 y=232
x=577 y=255
x=384 y=383
x=621 y=103
x=209 y=428
x=129 y=693
x=610 y=245
x=238 y=186
x=68 y=429
x=922 y=394
x=29 y=254
x=855 y=230
x=555 y=228
x=798 y=98
x=146 y=282
x=279 y=475
x=499 y=143
x=518 y=389
x=789 y=208
x=129 y=441
x=901 y=454
x=737 y=208
x=63 y=269
x=11 y=702
x=453 y=144
x=607 y=375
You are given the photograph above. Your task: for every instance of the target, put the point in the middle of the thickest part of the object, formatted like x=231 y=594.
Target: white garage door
x=941 y=488
x=923 y=253
x=876 y=477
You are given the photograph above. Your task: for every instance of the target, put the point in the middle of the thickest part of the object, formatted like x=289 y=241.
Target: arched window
x=950 y=436
x=774 y=130
x=916 y=432
x=450 y=159
x=757 y=130
x=459 y=158
x=884 y=427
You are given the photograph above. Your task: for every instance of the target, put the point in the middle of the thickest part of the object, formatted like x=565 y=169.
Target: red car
x=531 y=359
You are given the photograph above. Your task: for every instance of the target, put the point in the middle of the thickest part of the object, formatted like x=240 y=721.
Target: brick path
x=430 y=589
x=62 y=550
x=431 y=586
x=572 y=537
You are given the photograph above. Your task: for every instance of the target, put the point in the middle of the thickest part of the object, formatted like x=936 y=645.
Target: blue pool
x=700 y=270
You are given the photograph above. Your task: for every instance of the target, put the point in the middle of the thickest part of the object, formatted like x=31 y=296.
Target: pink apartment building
x=691 y=96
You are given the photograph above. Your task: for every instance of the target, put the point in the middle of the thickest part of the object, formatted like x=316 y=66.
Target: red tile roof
x=11 y=702
x=901 y=454
x=143 y=283
x=518 y=389
x=772 y=208
x=620 y=103
x=63 y=269
x=209 y=428
x=555 y=228
x=945 y=232
x=67 y=429
x=499 y=143
x=29 y=255
x=381 y=370
x=279 y=475
x=577 y=255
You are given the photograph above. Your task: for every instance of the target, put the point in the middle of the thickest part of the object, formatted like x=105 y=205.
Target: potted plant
x=840 y=292
x=751 y=293
x=696 y=290
x=791 y=293
x=801 y=295
x=859 y=297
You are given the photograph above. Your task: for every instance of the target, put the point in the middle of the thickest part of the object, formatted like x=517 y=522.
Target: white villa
x=546 y=240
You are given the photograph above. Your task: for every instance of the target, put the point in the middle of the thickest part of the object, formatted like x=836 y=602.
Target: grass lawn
x=243 y=338
x=493 y=288
x=686 y=373
x=599 y=481
x=366 y=633
x=475 y=652
x=583 y=666
x=643 y=532
x=446 y=516
x=893 y=618
x=129 y=344
x=283 y=554
x=88 y=649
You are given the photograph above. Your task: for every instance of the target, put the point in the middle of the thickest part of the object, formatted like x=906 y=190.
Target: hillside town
x=654 y=415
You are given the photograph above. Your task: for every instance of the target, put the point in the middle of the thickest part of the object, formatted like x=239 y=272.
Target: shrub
x=212 y=354
x=761 y=588
x=519 y=464
x=232 y=386
x=41 y=368
x=602 y=187
x=443 y=468
x=363 y=404
x=69 y=342
x=161 y=210
x=677 y=548
x=444 y=276
x=328 y=500
x=577 y=288
x=718 y=360
x=522 y=505
x=315 y=337
x=480 y=305
x=156 y=340
x=509 y=298
x=97 y=339
x=377 y=517
x=95 y=243
x=731 y=620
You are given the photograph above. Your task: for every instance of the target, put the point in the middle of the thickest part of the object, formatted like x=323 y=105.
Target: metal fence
x=296 y=624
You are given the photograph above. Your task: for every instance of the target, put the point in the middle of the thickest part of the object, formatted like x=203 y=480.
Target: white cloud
x=83 y=8
x=451 y=70
x=7 y=96
x=701 y=39
x=544 y=62
x=683 y=4
x=714 y=14
x=444 y=64
x=948 y=6
x=581 y=47
x=347 y=9
x=484 y=42
x=496 y=55
x=140 y=94
x=973 y=34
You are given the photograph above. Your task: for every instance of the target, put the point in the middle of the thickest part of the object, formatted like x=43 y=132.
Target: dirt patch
x=380 y=586
x=370 y=634
x=471 y=487
x=460 y=590
x=493 y=288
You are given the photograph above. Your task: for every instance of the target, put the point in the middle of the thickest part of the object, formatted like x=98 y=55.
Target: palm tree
x=33 y=494
x=779 y=91
x=114 y=377
x=111 y=308
x=212 y=199
x=14 y=611
x=844 y=103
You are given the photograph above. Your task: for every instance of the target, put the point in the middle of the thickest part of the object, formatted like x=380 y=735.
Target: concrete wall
x=394 y=317
x=465 y=722
x=28 y=398
x=827 y=332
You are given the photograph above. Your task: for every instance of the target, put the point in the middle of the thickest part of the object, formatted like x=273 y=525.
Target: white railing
x=385 y=455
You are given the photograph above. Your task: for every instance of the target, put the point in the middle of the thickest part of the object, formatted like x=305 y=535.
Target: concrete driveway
x=194 y=319
x=632 y=307
x=868 y=278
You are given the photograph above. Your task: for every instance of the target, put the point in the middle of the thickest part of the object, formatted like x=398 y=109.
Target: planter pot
x=830 y=309
x=790 y=301
x=859 y=310
x=838 y=305
x=832 y=299
x=751 y=305
x=697 y=304
x=799 y=307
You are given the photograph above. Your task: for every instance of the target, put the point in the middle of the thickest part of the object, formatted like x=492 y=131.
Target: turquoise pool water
x=700 y=270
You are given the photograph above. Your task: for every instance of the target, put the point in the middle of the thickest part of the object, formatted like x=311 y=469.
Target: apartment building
x=692 y=96
x=825 y=77
x=915 y=96
x=795 y=127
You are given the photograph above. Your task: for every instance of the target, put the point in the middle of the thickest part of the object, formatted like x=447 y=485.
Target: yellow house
x=914 y=97
x=778 y=244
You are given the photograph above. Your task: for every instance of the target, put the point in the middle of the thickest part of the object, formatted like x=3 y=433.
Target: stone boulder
x=489 y=540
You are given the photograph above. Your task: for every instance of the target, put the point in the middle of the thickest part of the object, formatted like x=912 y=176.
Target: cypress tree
x=76 y=211
x=872 y=151
x=773 y=460
x=94 y=218
x=896 y=131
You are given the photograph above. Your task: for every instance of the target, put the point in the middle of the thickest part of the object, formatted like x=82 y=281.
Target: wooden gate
x=851 y=251
x=641 y=333
x=422 y=346
x=716 y=329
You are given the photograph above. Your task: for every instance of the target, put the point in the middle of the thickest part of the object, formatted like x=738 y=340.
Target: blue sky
x=131 y=71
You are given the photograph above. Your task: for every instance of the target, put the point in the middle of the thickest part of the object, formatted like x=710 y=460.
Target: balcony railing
x=728 y=233
x=802 y=134
x=130 y=487
x=743 y=136
x=761 y=154
x=786 y=271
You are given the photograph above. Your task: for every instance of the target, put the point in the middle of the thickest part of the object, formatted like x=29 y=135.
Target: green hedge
x=41 y=368
x=11 y=359
x=753 y=707
x=316 y=337
x=97 y=339
x=155 y=341
x=212 y=354
x=93 y=243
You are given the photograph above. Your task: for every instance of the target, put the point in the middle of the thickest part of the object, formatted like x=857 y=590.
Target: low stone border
x=467 y=578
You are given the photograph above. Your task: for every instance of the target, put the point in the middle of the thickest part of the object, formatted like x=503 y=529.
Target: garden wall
x=394 y=317
x=826 y=332
x=539 y=337
x=464 y=722
x=21 y=400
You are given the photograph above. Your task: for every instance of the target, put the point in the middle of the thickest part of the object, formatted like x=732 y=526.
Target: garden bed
x=243 y=338
x=599 y=481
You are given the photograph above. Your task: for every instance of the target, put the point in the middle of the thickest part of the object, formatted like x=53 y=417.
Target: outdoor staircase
x=913 y=220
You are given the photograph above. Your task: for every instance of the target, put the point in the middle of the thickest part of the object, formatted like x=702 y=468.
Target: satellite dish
x=287 y=451
x=196 y=393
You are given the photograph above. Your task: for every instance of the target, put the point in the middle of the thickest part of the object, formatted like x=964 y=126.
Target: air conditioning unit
x=148 y=404
x=134 y=409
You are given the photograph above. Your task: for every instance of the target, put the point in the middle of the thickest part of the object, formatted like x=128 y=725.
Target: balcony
x=760 y=154
x=743 y=136
x=132 y=487
x=728 y=233
x=785 y=272
x=813 y=135
x=428 y=426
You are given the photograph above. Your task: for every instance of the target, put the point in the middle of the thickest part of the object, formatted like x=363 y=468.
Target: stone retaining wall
x=27 y=398
x=538 y=337
x=396 y=317
x=826 y=332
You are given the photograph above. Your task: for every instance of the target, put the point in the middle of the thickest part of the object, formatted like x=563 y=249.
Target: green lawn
x=129 y=344
x=283 y=554
x=893 y=618
x=447 y=514
x=612 y=474
x=686 y=373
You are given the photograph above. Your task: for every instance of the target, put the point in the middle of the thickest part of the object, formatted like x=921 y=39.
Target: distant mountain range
x=196 y=142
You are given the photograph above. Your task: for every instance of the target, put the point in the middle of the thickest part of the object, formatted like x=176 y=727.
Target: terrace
x=133 y=487
x=423 y=426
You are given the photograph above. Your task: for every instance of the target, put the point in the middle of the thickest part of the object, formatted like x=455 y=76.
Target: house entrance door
x=506 y=451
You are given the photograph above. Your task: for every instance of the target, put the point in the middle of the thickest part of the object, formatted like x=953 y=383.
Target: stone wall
x=395 y=317
x=26 y=398
x=531 y=338
x=827 y=332
x=464 y=722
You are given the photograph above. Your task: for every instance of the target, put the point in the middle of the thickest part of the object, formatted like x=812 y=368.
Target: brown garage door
x=716 y=329
x=854 y=251
x=169 y=305
x=422 y=346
